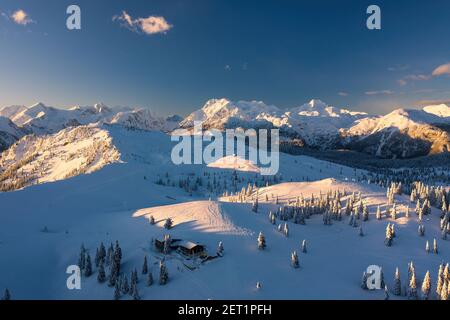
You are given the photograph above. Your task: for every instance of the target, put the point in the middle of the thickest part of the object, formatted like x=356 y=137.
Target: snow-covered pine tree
x=101 y=276
x=116 y=291
x=220 y=249
x=109 y=255
x=365 y=213
x=440 y=281
x=444 y=291
x=125 y=287
x=149 y=279
x=255 y=205
x=421 y=230
x=426 y=286
x=261 y=241
x=397 y=283
x=82 y=258
x=364 y=281
x=97 y=257
x=258 y=285
x=163 y=274
x=117 y=257
x=286 y=230
x=294 y=259
x=136 y=295
x=304 y=249
x=412 y=293
x=88 y=266
x=145 y=266
x=152 y=220
x=168 y=224
x=6 y=295
x=386 y=293
x=102 y=252
x=389 y=236
x=427 y=247
x=435 y=247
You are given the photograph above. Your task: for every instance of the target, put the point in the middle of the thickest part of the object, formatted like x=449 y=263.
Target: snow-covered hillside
x=70 y=152
x=43 y=226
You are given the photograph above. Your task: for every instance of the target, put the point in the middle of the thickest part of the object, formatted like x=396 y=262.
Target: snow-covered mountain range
x=402 y=133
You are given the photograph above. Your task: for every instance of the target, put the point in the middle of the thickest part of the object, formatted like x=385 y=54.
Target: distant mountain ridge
x=403 y=133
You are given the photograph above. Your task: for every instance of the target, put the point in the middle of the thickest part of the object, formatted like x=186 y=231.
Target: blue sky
x=282 y=52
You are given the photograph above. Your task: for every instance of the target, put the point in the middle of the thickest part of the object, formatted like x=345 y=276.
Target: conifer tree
x=163 y=274
x=82 y=258
x=440 y=281
x=435 y=247
x=152 y=220
x=88 y=266
x=397 y=283
x=294 y=259
x=102 y=252
x=220 y=249
x=386 y=293
x=168 y=224
x=145 y=266
x=125 y=287
x=426 y=286
x=116 y=291
x=427 y=247
x=378 y=214
x=6 y=295
x=101 y=276
x=364 y=281
x=304 y=249
x=261 y=241
x=136 y=293
x=412 y=294
x=97 y=257
x=444 y=291
x=149 y=279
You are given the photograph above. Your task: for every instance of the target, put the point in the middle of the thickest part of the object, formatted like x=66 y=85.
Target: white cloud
x=441 y=70
x=343 y=94
x=227 y=67
x=150 y=25
x=384 y=92
x=21 y=17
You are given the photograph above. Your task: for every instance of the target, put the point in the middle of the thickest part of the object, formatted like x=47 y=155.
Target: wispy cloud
x=149 y=26
x=379 y=92
x=443 y=69
x=227 y=67
x=343 y=94
x=21 y=17
x=422 y=103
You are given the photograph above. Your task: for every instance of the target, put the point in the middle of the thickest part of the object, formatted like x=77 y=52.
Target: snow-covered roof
x=188 y=244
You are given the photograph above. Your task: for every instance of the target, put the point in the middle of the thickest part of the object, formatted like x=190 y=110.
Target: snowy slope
x=38 y=159
x=40 y=237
